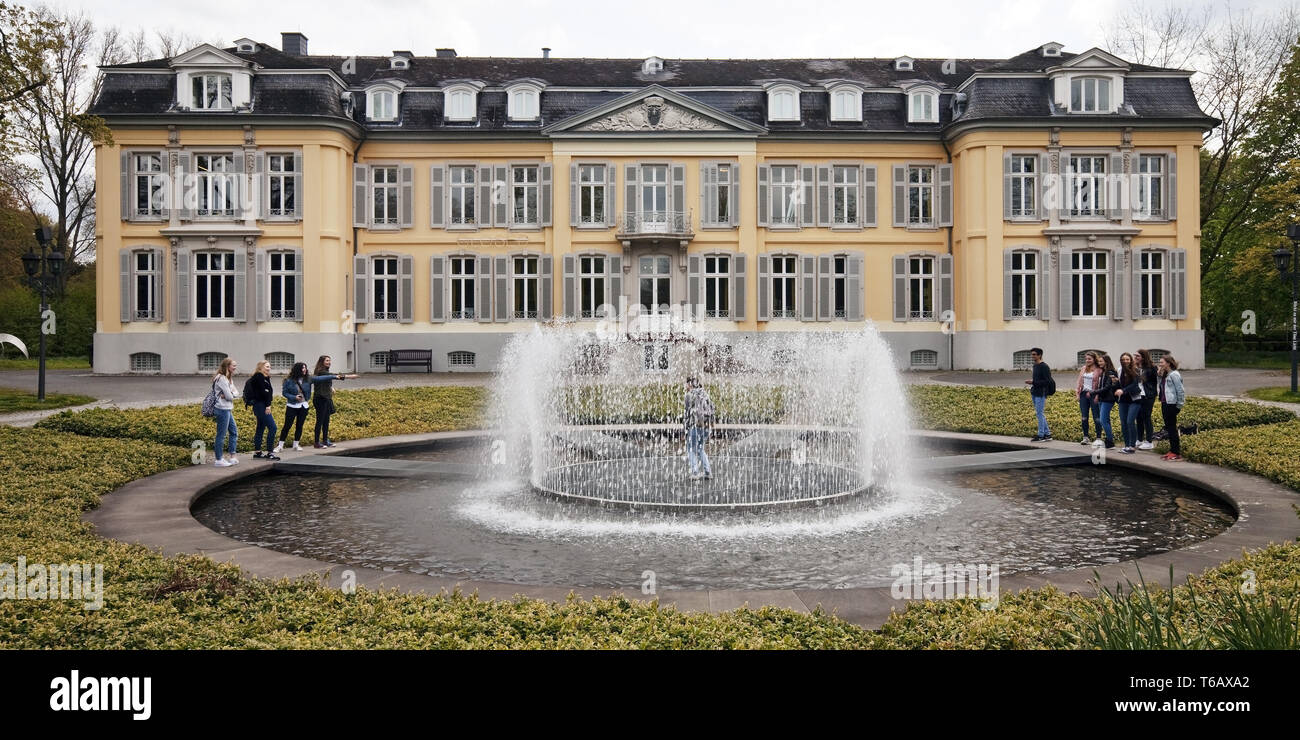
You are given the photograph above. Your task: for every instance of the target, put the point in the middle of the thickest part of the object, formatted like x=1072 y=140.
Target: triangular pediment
x=1096 y=58
x=207 y=55
x=653 y=110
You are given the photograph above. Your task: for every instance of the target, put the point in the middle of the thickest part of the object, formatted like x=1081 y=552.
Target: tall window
x=722 y=193
x=526 y=291
x=783 y=281
x=844 y=196
x=211 y=91
x=920 y=285
x=786 y=195
x=384 y=279
x=839 y=287
x=1024 y=285
x=384 y=190
x=717 y=283
x=846 y=105
x=1087 y=185
x=920 y=196
x=284 y=285
x=782 y=106
x=591 y=194
x=280 y=169
x=150 y=184
x=383 y=105
x=462 y=288
x=1150 y=196
x=1089 y=95
x=591 y=285
x=214 y=285
x=654 y=193
x=460 y=105
x=655 y=276
x=1089 y=278
x=524 y=194
x=523 y=104
x=216 y=184
x=1022 y=182
x=462 y=196
x=1151 y=278
x=146 y=284
x=923 y=108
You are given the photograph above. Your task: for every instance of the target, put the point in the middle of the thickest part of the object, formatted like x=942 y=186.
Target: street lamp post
x=43 y=273
x=1282 y=258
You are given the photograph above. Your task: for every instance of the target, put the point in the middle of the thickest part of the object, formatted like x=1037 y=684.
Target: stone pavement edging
x=155 y=512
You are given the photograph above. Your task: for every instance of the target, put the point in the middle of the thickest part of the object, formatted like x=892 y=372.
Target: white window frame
x=216 y=185
x=1092 y=85
x=918 y=280
x=1091 y=281
x=591 y=186
x=157 y=183
x=784 y=283
x=463 y=282
x=140 y=359
x=785 y=196
x=523 y=102
x=657 y=279
x=1029 y=186
x=393 y=219
x=591 y=284
x=783 y=103
x=923 y=106
x=381 y=104
x=1025 y=275
x=1144 y=180
x=926 y=196
x=286 y=181
x=520 y=189
x=846 y=103
x=460 y=103
x=210 y=81
x=727 y=174
x=285 y=276
x=386 y=283
x=149 y=275
x=464 y=192
x=1091 y=183
x=839 y=297
x=461 y=358
x=223 y=278
x=846 y=191
x=525 y=273
x=1151 y=265
x=716 y=272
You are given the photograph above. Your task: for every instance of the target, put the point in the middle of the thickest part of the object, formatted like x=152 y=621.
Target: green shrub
x=13 y=399
x=1268 y=450
x=661 y=403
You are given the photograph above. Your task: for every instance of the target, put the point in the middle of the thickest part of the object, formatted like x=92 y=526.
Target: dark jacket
x=1149 y=381
x=1042 y=378
x=1105 y=393
x=1132 y=389
x=324 y=384
x=258 y=390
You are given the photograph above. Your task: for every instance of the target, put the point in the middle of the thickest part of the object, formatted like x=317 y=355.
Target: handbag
x=209 y=406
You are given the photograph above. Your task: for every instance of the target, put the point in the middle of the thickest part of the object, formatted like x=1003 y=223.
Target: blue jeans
x=695 y=454
x=1128 y=414
x=265 y=422
x=1086 y=408
x=1105 y=407
x=1040 y=410
x=226 y=426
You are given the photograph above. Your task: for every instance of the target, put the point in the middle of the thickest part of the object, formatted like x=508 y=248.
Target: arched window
x=210 y=362
x=1079 y=358
x=783 y=104
x=146 y=362
x=1022 y=360
x=381 y=105
x=924 y=359
x=378 y=360
x=523 y=104
x=281 y=362
x=922 y=106
x=846 y=104
x=460 y=359
x=459 y=104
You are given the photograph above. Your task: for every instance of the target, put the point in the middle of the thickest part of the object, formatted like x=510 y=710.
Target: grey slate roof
x=128 y=91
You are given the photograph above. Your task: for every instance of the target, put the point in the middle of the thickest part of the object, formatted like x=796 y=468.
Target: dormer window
x=211 y=91
x=1090 y=95
x=903 y=64
x=459 y=103
x=1051 y=49
x=783 y=104
x=846 y=104
x=923 y=106
x=522 y=102
x=246 y=46
x=652 y=66
x=399 y=63
x=381 y=104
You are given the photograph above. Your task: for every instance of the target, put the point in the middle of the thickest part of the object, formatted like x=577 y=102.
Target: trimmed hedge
x=1268 y=450
x=661 y=403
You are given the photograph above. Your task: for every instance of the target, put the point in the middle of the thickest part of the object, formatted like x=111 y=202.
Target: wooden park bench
x=411 y=357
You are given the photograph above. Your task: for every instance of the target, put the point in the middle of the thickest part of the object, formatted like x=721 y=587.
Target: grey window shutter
x=1044 y=280
x=126 y=284
x=299 y=288
x=483 y=299
x=547 y=287
x=1047 y=188
x=1006 y=284
x=824 y=288
x=629 y=189
x=733 y=197
x=808 y=286
x=900 y=195
x=261 y=311
x=262 y=186
x=679 y=192
x=406 y=289
x=186 y=188
x=437 y=282
x=853 y=288
x=360 y=173
x=241 y=286
x=570 y=295
x=574 y=218
x=946 y=301
x=611 y=210
x=545 y=198
x=1116 y=288
x=361 y=289
x=501 y=275
x=808 y=216
x=1117 y=205
x=240 y=183
x=482 y=198
x=1178 y=284
x=692 y=284
x=126 y=185
x=158 y=291
x=1006 y=187
x=867 y=208
x=900 y=286
x=500 y=197
x=1135 y=283
x=299 y=197
x=764 y=287
x=764 y=173
x=738 y=294
x=407 y=207
x=823 y=195
x=1066 y=294
x=438 y=196
x=945 y=195
x=1171 y=187
x=183 y=281
x=708 y=193
x=614 y=289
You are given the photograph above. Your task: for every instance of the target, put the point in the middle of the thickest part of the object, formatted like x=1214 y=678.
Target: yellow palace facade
x=267 y=203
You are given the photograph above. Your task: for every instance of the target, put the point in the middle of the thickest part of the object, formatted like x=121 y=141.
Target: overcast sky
x=614 y=28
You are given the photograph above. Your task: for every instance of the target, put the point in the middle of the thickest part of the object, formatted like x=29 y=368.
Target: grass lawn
x=14 y=399
x=1254 y=360
x=51 y=363
x=1281 y=393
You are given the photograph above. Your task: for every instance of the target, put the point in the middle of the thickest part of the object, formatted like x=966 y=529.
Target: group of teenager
x=1135 y=387
x=300 y=389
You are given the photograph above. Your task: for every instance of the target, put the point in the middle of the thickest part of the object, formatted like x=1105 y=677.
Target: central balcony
x=655 y=226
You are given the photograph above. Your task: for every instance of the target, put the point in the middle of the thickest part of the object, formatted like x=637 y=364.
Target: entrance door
x=655 y=281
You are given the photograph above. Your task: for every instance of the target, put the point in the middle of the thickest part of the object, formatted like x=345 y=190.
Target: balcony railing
x=656 y=223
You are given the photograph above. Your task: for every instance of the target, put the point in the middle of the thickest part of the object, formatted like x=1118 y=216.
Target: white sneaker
x=222 y=463
x=233 y=460
x=278 y=449
x=296 y=447
x=1099 y=443
x=1146 y=446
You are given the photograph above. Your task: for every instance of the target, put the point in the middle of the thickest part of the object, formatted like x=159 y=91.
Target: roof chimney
x=446 y=53
x=546 y=52
x=293 y=43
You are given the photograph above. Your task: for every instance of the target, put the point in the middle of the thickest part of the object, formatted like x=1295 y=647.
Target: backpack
x=249 y=390
x=1051 y=386
x=209 y=405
